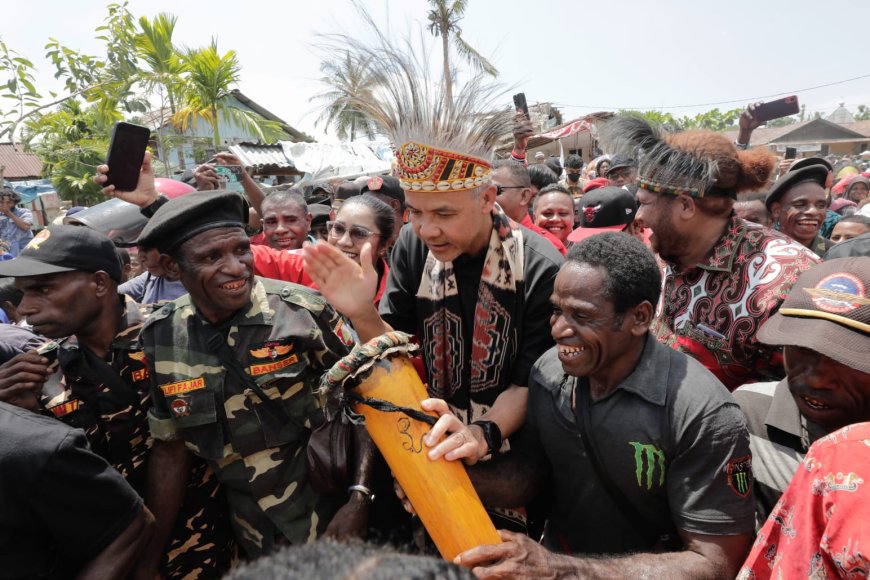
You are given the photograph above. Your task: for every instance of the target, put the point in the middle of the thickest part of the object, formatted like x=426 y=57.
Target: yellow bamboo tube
x=440 y=491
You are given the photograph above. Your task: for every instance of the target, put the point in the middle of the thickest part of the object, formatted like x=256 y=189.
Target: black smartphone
x=520 y=103
x=126 y=153
x=790 y=152
x=777 y=109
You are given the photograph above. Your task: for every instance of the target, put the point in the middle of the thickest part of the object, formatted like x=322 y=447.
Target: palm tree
x=444 y=20
x=344 y=79
x=165 y=67
x=208 y=94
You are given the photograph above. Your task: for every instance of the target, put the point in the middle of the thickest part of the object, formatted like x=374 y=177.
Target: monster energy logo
x=646 y=459
x=741 y=483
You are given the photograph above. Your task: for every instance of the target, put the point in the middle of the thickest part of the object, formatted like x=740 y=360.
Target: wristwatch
x=491 y=434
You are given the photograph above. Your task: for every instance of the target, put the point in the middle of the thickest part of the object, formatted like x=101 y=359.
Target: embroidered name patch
x=65 y=408
x=256 y=370
x=182 y=387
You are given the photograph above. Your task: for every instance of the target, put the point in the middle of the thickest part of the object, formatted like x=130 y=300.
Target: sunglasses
x=499 y=189
x=357 y=233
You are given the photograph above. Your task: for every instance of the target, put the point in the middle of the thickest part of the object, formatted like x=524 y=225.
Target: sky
x=677 y=56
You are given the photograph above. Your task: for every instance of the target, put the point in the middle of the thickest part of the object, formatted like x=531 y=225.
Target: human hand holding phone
x=144 y=193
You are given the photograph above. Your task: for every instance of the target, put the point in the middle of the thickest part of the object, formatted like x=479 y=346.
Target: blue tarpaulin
x=28 y=190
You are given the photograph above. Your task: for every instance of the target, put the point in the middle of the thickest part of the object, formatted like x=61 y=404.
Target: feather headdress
x=696 y=163
x=439 y=145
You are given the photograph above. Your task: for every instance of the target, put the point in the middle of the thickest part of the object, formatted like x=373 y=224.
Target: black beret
x=385 y=185
x=184 y=217
x=812 y=169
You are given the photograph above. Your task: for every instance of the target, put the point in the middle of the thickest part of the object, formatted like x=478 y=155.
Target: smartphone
x=126 y=153
x=520 y=103
x=790 y=152
x=776 y=109
x=230 y=177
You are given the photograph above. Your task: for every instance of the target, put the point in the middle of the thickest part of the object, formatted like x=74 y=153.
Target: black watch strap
x=491 y=434
x=152 y=209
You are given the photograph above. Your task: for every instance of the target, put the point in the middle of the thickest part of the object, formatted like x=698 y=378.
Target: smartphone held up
x=126 y=153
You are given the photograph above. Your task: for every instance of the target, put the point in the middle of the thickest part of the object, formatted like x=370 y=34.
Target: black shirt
x=60 y=503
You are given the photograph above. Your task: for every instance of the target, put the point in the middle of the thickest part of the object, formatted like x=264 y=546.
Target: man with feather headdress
x=723 y=277
x=471 y=283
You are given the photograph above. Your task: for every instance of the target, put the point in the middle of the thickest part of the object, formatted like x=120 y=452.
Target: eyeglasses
x=617 y=173
x=358 y=234
x=499 y=189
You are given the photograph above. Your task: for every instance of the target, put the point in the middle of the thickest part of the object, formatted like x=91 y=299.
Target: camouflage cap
x=182 y=218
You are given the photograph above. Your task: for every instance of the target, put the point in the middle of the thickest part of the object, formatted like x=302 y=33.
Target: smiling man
x=286 y=220
x=639 y=448
x=232 y=366
x=824 y=325
x=723 y=276
x=798 y=204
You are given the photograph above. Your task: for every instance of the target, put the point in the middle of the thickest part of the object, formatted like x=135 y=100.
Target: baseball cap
x=618 y=162
x=606 y=209
x=810 y=169
x=828 y=311
x=65 y=249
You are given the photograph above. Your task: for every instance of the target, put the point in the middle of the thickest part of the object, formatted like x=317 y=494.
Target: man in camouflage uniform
x=235 y=365
x=69 y=276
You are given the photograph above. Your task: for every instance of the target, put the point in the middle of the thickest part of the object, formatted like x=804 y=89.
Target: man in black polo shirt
x=673 y=468
x=824 y=325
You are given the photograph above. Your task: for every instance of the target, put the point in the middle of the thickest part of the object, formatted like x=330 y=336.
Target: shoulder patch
x=739 y=472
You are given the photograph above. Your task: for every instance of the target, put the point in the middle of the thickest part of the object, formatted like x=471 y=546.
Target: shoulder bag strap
x=218 y=344
x=583 y=416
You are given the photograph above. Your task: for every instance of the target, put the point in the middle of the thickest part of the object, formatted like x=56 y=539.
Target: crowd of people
x=656 y=363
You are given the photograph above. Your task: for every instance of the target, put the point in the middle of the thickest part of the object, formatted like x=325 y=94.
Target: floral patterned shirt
x=822 y=521
x=12 y=238
x=713 y=311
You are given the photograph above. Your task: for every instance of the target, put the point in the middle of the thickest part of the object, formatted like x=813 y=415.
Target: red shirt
x=713 y=311
x=821 y=526
x=527 y=222
x=289 y=266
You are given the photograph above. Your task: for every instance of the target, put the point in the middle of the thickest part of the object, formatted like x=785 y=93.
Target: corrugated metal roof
x=19 y=165
x=263 y=158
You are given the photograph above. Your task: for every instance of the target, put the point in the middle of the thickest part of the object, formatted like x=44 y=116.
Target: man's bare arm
x=118 y=558
x=168 y=473
x=704 y=557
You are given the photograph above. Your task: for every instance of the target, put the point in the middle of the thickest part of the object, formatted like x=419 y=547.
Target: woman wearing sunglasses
x=361 y=219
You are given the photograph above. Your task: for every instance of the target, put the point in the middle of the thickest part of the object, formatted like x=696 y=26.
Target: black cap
x=385 y=185
x=605 y=209
x=618 y=162
x=184 y=217
x=810 y=169
x=65 y=249
x=319 y=213
x=343 y=192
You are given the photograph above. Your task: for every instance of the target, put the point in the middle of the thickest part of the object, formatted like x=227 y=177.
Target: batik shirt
x=285 y=339
x=115 y=421
x=820 y=527
x=713 y=311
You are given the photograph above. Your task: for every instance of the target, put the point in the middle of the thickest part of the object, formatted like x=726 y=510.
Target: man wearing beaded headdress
x=723 y=276
x=467 y=280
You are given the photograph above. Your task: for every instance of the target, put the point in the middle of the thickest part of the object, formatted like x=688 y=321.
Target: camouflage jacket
x=114 y=418
x=285 y=339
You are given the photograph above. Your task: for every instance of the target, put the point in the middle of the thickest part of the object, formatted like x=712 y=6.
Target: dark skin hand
x=522 y=130
x=21 y=380
x=351 y=521
x=518 y=556
x=748 y=123
x=207 y=179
